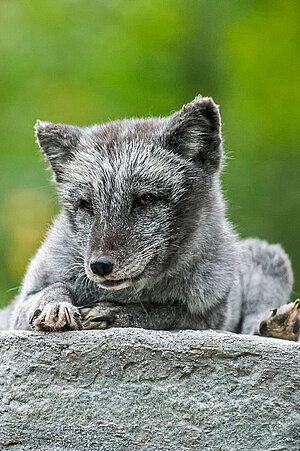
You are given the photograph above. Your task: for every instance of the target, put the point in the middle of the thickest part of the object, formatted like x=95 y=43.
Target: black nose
x=101 y=266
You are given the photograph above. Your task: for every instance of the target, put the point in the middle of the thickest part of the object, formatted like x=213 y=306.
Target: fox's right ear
x=58 y=142
x=194 y=132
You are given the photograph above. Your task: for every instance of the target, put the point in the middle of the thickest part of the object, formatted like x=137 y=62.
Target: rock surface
x=132 y=389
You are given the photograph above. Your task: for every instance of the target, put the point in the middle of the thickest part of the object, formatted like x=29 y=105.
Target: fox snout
x=101 y=266
x=104 y=271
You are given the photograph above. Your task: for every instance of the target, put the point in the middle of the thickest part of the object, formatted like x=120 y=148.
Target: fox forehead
x=133 y=129
x=164 y=149
x=125 y=163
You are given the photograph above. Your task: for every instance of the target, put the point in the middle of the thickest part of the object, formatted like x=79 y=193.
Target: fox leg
x=266 y=277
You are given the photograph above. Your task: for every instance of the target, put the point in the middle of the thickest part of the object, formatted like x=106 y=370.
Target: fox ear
x=194 y=132
x=58 y=142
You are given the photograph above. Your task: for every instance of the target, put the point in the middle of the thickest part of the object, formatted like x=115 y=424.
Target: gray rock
x=132 y=389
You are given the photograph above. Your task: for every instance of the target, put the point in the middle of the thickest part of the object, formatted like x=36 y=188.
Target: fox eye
x=144 y=200
x=86 y=205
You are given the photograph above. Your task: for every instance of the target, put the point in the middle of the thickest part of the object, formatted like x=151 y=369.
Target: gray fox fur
x=145 y=194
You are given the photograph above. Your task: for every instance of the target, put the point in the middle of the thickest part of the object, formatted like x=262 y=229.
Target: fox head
x=135 y=192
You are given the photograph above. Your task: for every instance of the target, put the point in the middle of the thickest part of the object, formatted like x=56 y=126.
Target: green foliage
x=83 y=62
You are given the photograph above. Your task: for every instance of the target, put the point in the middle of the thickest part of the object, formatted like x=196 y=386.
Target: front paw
x=56 y=317
x=100 y=316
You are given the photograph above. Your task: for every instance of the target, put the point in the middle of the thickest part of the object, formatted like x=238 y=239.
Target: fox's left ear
x=194 y=132
x=58 y=142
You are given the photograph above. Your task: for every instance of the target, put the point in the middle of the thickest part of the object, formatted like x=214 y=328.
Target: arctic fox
x=142 y=238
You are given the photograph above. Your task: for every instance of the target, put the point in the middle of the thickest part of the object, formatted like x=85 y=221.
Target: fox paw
x=100 y=316
x=283 y=322
x=56 y=317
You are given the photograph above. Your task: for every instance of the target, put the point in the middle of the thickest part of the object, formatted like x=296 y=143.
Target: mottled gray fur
x=180 y=261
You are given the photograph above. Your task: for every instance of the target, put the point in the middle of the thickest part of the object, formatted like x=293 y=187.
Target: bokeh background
x=83 y=62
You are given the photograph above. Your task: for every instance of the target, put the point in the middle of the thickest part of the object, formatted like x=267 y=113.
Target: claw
x=95 y=325
x=263 y=328
x=56 y=317
x=296 y=327
x=68 y=316
x=107 y=318
x=36 y=313
x=92 y=304
x=297 y=304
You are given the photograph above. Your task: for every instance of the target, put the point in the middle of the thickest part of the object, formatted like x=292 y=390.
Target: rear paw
x=283 y=322
x=56 y=317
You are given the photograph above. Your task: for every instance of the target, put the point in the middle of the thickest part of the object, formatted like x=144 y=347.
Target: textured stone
x=132 y=389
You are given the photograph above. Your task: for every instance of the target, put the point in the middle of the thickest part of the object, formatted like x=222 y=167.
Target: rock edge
x=134 y=389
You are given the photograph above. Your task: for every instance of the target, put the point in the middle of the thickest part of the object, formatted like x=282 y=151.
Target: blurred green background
x=83 y=62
